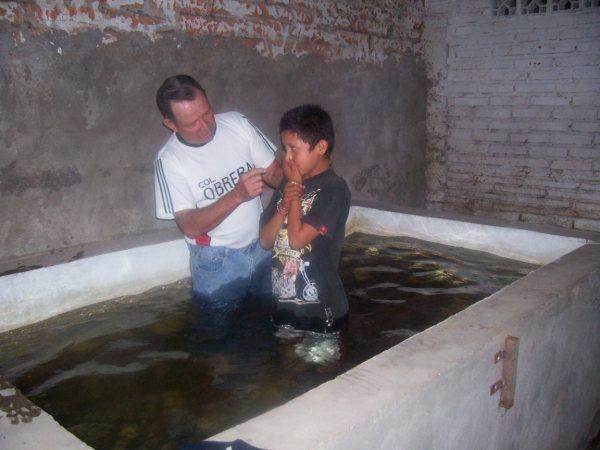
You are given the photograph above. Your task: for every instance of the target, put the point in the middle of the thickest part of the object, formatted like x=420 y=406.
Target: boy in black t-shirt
x=304 y=224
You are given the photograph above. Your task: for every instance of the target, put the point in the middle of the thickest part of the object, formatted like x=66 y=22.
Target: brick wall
x=367 y=31
x=514 y=113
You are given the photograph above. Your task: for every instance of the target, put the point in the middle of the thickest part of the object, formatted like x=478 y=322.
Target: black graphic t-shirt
x=307 y=290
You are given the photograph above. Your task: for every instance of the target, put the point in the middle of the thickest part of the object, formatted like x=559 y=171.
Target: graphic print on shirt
x=285 y=274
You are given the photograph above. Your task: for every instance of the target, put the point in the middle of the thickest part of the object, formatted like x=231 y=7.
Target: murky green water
x=135 y=372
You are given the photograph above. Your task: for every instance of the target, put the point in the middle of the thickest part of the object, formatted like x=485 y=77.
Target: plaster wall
x=79 y=128
x=513 y=111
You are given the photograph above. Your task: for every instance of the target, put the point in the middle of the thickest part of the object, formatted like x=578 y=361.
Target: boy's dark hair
x=311 y=123
x=176 y=88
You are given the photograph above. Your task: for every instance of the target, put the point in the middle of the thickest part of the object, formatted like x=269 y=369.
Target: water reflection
x=311 y=347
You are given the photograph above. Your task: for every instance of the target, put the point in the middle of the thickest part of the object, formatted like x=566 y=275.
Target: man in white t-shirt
x=208 y=177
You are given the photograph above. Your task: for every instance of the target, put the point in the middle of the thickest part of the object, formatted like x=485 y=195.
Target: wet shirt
x=307 y=289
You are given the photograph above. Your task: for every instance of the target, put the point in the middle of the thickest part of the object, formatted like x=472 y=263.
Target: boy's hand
x=250 y=184
x=291 y=170
x=292 y=191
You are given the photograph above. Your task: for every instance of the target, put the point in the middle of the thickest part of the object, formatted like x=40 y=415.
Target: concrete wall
x=60 y=286
x=79 y=128
x=437 y=103
x=432 y=391
x=23 y=425
x=513 y=119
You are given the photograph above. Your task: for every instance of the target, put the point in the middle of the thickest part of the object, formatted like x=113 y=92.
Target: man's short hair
x=176 y=89
x=311 y=123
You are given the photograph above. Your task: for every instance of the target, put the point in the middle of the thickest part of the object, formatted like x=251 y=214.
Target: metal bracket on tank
x=507 y=384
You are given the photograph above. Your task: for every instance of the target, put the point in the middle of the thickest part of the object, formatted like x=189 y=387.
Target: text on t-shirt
x=212 y=189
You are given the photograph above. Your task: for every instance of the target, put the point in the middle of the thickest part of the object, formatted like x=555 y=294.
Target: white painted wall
x=36 y=295
x=429 y=392
x=523 y=245
x=47 y=433
x=432 y=390
x=29 y=297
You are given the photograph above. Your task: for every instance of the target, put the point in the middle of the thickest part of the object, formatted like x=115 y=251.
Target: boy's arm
x=299 y=233
x=329 y=207
x=275 y=215
x=269 y=231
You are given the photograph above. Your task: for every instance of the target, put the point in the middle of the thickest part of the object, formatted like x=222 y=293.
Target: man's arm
x=273 y=174
x=262 y=150
x=198 y=221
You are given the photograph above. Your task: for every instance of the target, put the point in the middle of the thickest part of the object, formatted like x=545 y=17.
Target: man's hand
x=250 y=184
x=273 y=174
x=197 y=221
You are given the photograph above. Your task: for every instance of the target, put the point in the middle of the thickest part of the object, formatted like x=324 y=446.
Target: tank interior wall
x=34 y=295
x=79 y=127
x=433 y=390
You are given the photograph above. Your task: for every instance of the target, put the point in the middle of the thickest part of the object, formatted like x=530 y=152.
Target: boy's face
x=310 y=162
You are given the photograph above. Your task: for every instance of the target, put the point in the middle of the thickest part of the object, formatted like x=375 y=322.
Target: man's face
x=193 y=120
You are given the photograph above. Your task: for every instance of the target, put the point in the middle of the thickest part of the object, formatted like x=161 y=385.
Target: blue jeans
x=224 y=275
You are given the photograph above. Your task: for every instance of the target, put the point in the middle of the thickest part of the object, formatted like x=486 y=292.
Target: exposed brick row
x=516 y=109
x=522 y=136
x=369 y=31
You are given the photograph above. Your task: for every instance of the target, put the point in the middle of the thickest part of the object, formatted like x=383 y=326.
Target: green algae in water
x=136 y=373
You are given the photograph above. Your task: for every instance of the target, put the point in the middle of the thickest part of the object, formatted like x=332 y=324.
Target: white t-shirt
x=188 y=177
